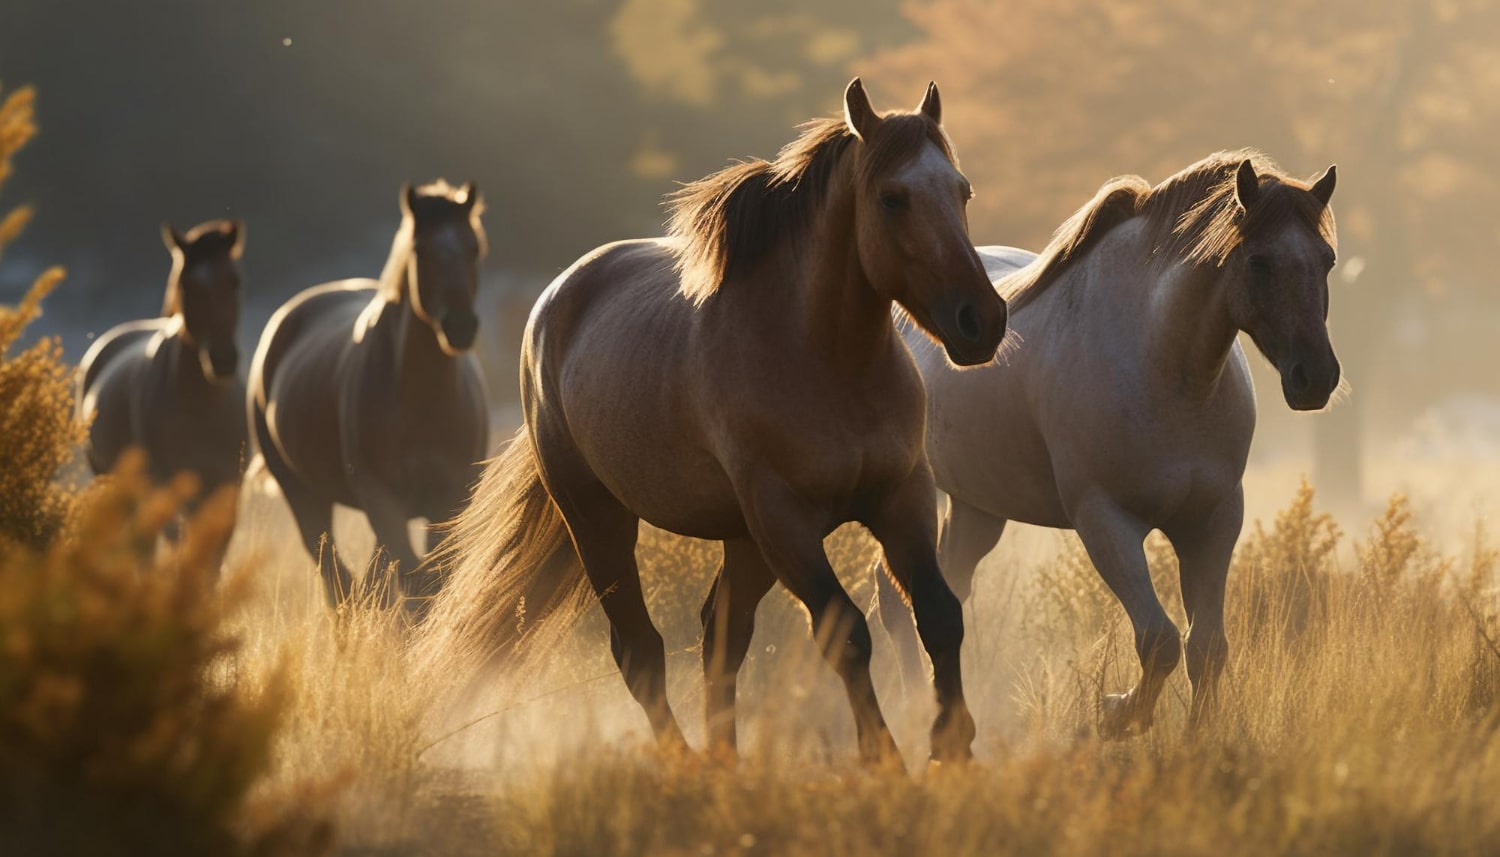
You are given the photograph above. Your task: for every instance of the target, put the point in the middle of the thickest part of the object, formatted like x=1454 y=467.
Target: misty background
x=575 y=117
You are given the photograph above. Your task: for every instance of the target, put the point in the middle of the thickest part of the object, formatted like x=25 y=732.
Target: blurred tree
x=1048 y=99
x=716 y=73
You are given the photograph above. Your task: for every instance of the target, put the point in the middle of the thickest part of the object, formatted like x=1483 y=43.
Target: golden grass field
x=146 y=710
x=1361 y=715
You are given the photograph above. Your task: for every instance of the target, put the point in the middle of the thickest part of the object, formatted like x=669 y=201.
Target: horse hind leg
x=605 y=533
x=728 y=625
x=966 y=537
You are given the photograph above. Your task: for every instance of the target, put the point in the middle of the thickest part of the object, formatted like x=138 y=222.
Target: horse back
x=107 y=349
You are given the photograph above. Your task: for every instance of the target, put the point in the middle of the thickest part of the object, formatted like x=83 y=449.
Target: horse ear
x=408 y=198
x=1246 y=184
x=858 y=114
x=170 y=237
x=932 y=103
x=237 y=235
x=470 y=192
x=1322 y=189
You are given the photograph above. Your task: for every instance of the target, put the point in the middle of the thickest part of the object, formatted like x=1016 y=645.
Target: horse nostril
x=460 y=328
x=1298 y=377
x=968 y=322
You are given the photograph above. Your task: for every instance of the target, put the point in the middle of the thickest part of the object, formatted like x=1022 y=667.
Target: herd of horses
x=816 y=341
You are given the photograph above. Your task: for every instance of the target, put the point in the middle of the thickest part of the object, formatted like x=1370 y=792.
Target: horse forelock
x=1192 y=217
x=210 y=238
x=1200 y=219
x=436 y=205
x=729 y=220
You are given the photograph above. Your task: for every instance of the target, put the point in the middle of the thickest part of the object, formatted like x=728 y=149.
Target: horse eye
x=893 y=201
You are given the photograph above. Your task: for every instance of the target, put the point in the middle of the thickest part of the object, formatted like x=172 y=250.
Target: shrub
x=38 y=434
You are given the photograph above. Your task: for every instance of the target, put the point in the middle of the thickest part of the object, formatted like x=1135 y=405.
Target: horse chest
x=847 y=450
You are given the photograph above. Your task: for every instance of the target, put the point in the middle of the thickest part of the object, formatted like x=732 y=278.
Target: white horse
x=1128 y=406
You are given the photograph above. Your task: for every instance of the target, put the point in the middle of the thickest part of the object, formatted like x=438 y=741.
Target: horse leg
x=788 y=532
x=604 y=532
x=906 y=530
x=314 y=516
x=1114 y=542
x=315 y=523
x=388 y=517
x=966 y=536
x=728 y=624
x=1204 y=548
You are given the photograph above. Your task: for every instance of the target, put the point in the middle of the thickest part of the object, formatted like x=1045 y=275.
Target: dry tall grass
x=1360 y=717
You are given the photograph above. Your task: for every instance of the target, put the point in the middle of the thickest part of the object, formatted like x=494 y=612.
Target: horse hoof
x=884 y=758
x=1117 y=720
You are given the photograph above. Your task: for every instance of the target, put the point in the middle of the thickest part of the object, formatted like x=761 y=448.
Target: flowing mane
x=430 y=203
x=1191 y=217
x=729 y=220
x=214 y=236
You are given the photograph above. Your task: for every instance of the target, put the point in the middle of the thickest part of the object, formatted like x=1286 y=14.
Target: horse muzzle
x=220 y=362
x=1308 y=384
x=972 y=330
x=458 y=331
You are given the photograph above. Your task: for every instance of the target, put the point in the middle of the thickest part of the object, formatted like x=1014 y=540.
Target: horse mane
x=433 y=201
x=212 y=236
x=728 y=221
x=1194 y=217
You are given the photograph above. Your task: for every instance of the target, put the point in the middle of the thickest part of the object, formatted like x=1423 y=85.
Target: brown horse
x=741 y=381
x=363 y=392
x=1128 y=406
x=169 y=385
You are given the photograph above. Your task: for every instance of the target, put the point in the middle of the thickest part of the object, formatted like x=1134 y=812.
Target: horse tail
x=514 y=583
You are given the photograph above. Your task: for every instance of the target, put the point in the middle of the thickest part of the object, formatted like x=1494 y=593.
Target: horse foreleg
x=787 y=529
x=1204 y=548
x=966 y=536
x=728 y=624
x=1114 y=540
x=388 y=519
x=906 y=529
x=315 y=523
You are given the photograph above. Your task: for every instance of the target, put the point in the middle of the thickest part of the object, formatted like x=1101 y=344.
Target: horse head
x=204 y=289
x=448 y=242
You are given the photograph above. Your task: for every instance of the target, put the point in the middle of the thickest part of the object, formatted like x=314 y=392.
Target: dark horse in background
x=169 y=385
x=362 y=392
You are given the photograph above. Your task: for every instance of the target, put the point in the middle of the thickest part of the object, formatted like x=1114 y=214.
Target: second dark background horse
x=362 y=392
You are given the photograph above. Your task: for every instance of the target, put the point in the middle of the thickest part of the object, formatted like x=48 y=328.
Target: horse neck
x=184 y=359
x=1189 y=329
x=410 y=343
x=840 y=311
